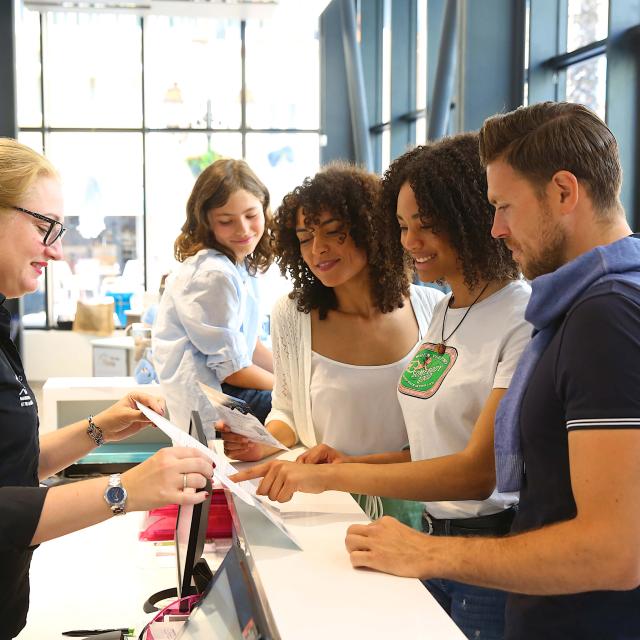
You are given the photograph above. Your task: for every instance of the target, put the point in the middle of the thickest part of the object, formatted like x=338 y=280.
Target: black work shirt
x=587 y=378
x=21 y=498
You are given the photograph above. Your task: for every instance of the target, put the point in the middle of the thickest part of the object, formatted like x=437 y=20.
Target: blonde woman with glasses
x=31 y=229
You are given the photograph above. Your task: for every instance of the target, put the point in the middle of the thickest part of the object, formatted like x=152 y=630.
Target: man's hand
x=389 y=546
x=281 y=479
x=322 y=454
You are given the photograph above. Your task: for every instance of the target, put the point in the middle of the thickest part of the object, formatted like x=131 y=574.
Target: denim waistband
x=497 y=524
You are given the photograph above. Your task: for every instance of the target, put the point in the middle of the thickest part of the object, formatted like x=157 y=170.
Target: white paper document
x=166 y=630
x=234 y=413
x=246 y=491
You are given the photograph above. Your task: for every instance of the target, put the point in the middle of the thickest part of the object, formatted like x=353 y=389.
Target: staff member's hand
x=389 y=546
x=322 y=454
x=240 y=448
x=168 y=477
x=123 y=418
x=281 y=479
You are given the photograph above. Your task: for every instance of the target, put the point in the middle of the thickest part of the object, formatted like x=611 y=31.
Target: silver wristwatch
x=115 y=495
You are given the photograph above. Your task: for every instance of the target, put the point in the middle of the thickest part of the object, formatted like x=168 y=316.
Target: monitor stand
x=201 y=576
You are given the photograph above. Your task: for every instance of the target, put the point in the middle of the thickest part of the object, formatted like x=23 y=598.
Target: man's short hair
x=542 y=139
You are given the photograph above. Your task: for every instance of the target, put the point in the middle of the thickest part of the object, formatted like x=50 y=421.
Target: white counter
x=316 y=593
x=96 y=578
x=101 y=576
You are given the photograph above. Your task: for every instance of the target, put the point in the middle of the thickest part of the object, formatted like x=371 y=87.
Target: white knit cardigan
x=291 y=341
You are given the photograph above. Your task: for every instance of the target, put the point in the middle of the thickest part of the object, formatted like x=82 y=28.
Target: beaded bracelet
x=95 y=432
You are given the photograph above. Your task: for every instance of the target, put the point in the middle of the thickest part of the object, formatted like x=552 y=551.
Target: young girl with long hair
x=208 y=322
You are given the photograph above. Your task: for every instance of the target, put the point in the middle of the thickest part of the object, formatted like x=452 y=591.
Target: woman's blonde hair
x=20 y=167
x=213 y=188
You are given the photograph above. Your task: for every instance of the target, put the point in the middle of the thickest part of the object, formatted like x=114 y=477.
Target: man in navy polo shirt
x=567 y=433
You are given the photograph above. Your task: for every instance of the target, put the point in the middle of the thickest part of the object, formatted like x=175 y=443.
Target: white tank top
x=355 y=409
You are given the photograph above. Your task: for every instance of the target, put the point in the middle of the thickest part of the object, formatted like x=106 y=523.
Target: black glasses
x=53 y=232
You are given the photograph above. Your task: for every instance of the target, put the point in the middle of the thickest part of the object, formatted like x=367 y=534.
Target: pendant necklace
x=441 y=347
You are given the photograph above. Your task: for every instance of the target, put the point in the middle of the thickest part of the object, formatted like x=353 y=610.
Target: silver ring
x=184 y=481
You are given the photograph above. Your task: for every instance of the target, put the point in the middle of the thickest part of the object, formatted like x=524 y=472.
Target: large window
x=421 y=72
x=131 y=109
x=506 y=54
x=587 y=51
x=576 y=70
x=586 y=81
x=399 y=44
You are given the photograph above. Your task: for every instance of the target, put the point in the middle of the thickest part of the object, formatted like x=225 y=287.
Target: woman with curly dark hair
x=434 y=197
x=350 y=325
x=208 y=320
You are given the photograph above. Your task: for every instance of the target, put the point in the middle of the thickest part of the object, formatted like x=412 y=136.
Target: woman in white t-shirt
x=350 y=326
x=450 y=389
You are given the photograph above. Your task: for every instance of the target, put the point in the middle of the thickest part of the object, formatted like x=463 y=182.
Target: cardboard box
x=113 y=357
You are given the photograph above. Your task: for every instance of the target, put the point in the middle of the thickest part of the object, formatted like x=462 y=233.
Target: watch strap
x=117 y=508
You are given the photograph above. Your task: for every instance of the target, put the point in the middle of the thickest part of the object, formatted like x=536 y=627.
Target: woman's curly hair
x=213 y=188
x=352 y=195
x=450 y=187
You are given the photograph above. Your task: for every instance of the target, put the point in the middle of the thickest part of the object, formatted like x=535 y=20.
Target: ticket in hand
x=235 y=413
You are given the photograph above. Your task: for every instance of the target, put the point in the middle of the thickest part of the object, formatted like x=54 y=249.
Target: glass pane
x=588 y=21
x=103 y=51
x=193 y=73
x=421 y=69
x=421 y=130
x=31 y=139
x=587 y=84
x=283 y=160
x=421 y=54
x=174 y=160
x=385 y=136
x=283 y=73
x=34 y=315
x=34 y=304
x=103 y=248
x=527 y=52
x=28 y=64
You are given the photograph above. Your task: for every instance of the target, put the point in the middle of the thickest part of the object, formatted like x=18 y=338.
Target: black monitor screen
x=191 y=531
x=229 y=609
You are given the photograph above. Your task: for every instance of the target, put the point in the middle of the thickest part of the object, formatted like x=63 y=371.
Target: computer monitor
x=230 y=608
x=191 y=530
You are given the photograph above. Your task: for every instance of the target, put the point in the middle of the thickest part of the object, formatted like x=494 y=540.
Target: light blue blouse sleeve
x=210 y=309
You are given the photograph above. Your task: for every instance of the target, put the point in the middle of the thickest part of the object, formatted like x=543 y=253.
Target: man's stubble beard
x=553 y=240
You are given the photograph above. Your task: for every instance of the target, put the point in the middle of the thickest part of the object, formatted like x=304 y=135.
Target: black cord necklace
x=441 y=347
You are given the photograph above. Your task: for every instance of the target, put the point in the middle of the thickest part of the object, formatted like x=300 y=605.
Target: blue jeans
x=479 y=612
x=259 y=400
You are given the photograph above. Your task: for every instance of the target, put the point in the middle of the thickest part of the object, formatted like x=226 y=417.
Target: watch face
x=115 y=495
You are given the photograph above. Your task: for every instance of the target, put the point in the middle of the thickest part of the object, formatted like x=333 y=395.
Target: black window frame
x=143 y=130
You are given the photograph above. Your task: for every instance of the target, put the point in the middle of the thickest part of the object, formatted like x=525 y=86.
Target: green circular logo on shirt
x=426 y=371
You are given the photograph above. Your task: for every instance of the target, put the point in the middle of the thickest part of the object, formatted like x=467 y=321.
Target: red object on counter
x=161 y=522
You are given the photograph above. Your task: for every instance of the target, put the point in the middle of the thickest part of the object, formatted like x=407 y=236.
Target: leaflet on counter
x=235 y=413
x=246 y=490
